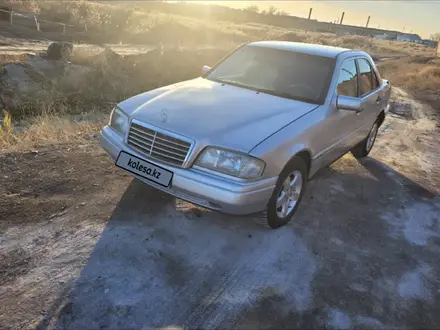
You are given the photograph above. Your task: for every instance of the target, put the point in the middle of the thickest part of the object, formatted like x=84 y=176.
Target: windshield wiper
x=267 y=91
x=233 y=83
x=285 y=95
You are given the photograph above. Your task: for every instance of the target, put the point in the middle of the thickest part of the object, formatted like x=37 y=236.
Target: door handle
x=378 y=100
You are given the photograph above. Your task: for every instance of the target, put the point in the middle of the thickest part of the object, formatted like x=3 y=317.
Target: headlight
x=231 y=163
x=119 y=121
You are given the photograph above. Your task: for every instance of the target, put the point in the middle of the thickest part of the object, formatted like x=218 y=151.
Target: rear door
x=369 y=92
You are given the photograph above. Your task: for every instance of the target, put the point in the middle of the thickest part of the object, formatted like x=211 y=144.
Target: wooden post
x=36 y=23
x=342 y=17
x=5 y=11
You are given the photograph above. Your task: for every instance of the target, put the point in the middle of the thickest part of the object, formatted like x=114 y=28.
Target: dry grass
x=6 y=59
x=419 y=75
x=6 y=124
x=52 y=129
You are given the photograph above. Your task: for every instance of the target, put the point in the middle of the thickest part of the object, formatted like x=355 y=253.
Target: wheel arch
x=305 y=154
x=381 y=118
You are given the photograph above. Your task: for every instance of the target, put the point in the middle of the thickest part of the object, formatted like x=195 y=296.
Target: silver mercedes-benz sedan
x=248 y=134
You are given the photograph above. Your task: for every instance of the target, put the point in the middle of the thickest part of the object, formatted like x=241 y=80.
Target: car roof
x=299 y=47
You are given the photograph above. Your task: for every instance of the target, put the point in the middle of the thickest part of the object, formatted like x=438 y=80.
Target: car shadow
x=165 y=262
x=384 y=172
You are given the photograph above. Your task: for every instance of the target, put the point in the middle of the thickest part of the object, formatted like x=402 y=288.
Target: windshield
x=278 y=72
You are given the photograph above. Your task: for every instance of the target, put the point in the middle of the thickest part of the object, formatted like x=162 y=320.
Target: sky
x=421 y=17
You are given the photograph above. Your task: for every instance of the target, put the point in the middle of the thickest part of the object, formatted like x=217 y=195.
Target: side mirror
x=205 y=69
x=349 y=103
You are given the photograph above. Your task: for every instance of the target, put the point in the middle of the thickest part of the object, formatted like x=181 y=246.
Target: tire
x=364 y=147
x=296 y=172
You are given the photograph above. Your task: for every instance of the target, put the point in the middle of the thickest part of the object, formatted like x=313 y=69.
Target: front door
x=337 y=130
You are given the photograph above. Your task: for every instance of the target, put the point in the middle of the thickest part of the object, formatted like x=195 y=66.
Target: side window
x=347 y=82
x=367 y=78
x=375 y=80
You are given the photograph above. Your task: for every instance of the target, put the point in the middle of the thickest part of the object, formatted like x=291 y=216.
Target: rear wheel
x=287 y=194
x=364 y=147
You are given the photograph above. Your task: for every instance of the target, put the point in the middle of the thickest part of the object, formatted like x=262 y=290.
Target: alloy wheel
x=289 y=194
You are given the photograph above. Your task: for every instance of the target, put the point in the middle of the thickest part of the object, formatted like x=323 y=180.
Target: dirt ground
x=84 y=246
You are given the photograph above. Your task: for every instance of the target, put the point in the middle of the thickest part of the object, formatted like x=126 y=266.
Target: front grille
x=158 y=145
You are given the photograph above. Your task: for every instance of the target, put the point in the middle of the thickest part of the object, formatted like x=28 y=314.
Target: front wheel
x=364 y=147
x=287 y=194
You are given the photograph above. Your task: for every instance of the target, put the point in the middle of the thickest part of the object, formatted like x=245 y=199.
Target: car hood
x=212 y=113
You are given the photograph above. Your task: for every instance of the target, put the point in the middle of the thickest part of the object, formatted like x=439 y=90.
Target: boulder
x=38 y=79
x=59 y=51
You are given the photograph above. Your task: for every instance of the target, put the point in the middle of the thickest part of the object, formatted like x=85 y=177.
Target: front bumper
x=199 y=187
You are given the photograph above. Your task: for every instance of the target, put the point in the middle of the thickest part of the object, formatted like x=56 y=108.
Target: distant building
x=384 y=36
x=293 y=22
x=381 y=36
x=410 y=37
x=430 y=43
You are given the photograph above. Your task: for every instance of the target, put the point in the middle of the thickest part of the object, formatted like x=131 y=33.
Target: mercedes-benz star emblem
x=163 y=115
